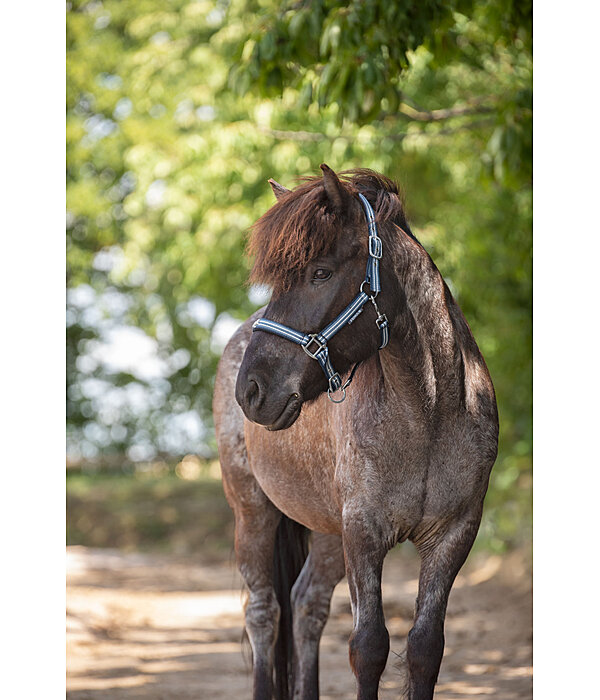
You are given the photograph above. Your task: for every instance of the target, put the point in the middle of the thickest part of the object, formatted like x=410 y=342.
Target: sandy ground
x=158 y=627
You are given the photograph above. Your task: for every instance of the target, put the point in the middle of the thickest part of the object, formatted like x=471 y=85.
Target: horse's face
x=276 y=377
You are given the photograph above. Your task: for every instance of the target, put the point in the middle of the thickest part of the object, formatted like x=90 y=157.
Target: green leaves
x=350 y=54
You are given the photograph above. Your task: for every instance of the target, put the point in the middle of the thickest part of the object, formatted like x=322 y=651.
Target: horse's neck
x=424 y=342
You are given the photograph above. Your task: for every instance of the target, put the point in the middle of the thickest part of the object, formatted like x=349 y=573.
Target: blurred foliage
x=358 y=54
x=156 y=508
x=177 y=114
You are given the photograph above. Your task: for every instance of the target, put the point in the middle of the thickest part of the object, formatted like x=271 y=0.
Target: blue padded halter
x=315 y=344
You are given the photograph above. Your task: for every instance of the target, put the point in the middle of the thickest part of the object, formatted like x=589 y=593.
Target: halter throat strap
x=315 y=344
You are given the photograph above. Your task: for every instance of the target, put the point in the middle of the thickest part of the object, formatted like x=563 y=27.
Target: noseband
x=315 y=344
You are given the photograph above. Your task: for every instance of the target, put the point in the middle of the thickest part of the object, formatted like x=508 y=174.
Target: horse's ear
x=333 y=186
x=278 y=190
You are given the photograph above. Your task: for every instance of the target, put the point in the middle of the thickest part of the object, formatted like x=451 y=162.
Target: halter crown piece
x=315 y=344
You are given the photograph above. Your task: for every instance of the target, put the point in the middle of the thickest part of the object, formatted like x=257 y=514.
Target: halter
x=315 y=344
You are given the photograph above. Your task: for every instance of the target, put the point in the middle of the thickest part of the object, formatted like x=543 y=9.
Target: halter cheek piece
x=315 y=344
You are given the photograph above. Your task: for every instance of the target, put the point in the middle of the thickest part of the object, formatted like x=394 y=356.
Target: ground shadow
x=148 y=626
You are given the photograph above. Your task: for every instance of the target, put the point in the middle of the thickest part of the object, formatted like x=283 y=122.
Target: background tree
x=178 y=113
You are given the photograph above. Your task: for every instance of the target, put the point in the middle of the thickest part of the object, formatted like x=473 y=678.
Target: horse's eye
x=321 y=274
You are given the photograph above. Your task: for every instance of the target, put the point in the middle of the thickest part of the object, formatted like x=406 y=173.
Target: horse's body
x=406 y=456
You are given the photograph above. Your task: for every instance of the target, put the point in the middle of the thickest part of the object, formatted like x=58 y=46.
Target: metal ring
x=373 y=294
x=342 y=389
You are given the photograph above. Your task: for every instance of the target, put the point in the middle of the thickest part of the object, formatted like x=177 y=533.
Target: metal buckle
x=331 y=380
x=331 y=390
x=313 y=339
x=381 y=321
x=375 y=247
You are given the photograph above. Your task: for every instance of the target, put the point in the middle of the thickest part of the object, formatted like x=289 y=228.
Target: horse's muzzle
x=256 y=399
x=289 y=414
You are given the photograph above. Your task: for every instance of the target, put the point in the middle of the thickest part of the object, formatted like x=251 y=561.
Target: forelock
x=304 y=225
x=300 y=227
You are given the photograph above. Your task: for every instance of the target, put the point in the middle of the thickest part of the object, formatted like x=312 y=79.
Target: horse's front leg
x=364 y=549
x=442 y=555
x=256 y=520
x=311 y=598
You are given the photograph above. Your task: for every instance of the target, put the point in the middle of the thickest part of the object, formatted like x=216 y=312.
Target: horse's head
x=312 y=247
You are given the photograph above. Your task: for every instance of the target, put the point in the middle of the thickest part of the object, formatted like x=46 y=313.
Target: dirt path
x=158 y=627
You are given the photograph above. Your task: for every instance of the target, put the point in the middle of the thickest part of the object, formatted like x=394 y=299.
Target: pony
x=327 y=465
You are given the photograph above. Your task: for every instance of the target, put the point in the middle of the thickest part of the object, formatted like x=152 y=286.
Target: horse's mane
x=304 y=225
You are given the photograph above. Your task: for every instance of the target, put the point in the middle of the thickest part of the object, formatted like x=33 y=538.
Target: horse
x=327 y=465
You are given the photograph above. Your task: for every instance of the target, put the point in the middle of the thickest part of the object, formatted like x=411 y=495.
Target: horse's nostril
x=253 y=393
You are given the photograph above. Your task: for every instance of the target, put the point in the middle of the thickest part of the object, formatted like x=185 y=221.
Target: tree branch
x=315 y=136
x=293 y=135
x=436 y=115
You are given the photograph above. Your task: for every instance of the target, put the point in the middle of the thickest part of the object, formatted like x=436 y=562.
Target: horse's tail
x=289 y=555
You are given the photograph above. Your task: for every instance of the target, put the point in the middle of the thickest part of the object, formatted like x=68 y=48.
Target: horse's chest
x=296 y=472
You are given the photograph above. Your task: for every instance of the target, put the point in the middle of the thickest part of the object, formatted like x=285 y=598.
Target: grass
x=149 y=510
